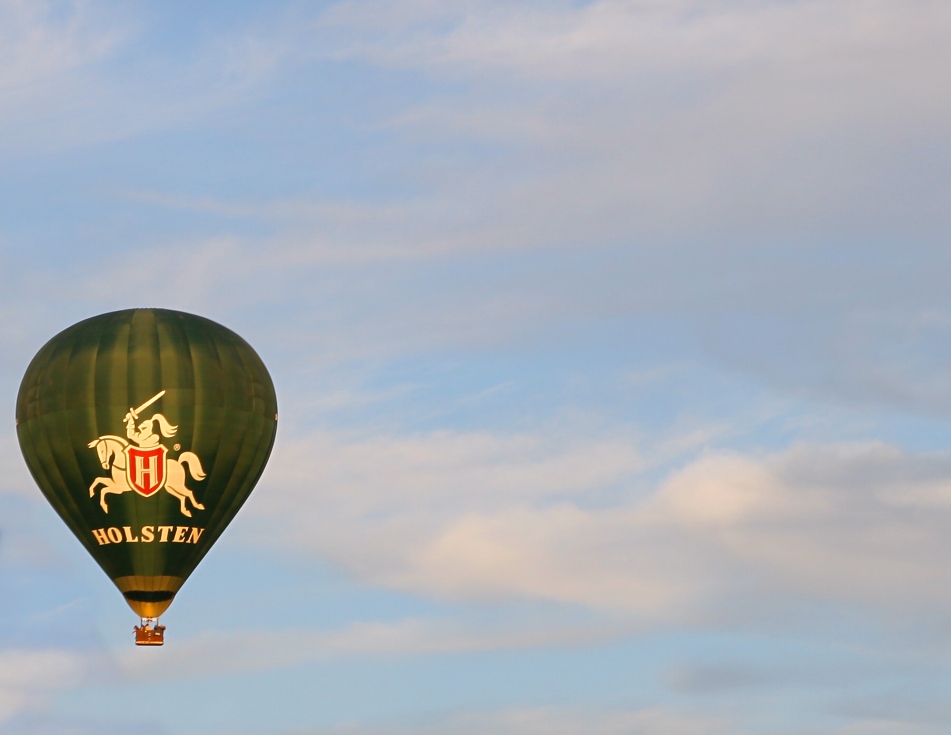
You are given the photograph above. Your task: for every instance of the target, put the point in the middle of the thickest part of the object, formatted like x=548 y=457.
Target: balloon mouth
x=149 y=604
x=149 y=596
x=139 y=596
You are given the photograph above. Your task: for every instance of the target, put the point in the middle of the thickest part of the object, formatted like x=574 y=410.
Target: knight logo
x=141 y=462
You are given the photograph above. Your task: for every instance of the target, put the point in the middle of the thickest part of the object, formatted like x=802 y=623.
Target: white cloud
x=718 y=156
x=432 y=477
x=721 y=158
x=42 y=40
x=28 y=678
x=47 y=51
x=617 y=39
x=76 y=73
x=646 y=120
x=642 y=123
x=231 y=652
x=482 y=518
x=552 y=721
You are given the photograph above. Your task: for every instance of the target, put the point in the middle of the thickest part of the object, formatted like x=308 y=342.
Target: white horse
x=110 y=449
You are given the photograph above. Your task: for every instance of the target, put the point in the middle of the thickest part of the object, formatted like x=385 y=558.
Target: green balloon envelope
x=146 y=430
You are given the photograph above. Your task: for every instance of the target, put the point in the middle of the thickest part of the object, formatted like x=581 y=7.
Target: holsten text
x=148 y=535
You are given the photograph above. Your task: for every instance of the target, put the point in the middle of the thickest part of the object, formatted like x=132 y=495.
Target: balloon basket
x=149 y=635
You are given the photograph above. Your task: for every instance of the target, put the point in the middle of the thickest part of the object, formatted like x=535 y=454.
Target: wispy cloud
x=43 y=40
x=236 y=651
x=640 y=120
x=613 y=38
x=512 y=517
x=435 y=181
x=29 y=678
x=78 y=73
x=740 y=167
x=551 y=721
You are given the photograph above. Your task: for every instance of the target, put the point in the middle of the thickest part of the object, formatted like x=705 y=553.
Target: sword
x=134 y=412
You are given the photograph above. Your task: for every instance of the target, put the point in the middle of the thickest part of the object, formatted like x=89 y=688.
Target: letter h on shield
x=141 y=470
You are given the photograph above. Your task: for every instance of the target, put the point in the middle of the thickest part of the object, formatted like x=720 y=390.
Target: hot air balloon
x=146 y=430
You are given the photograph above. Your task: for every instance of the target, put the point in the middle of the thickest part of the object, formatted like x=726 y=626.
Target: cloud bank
x=471 y=517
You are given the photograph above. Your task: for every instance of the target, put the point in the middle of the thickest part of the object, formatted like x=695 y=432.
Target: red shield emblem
x=145 y=469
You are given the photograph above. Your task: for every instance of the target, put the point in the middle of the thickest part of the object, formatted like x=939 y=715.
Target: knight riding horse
x=131 y=465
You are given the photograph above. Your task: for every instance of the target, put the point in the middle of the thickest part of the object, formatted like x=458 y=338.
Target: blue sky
x=611 y=340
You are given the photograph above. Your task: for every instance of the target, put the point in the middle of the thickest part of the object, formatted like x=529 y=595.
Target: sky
x=612 y=345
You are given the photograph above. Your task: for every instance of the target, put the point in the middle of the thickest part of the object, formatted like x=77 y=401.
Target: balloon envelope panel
x=146 y=430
